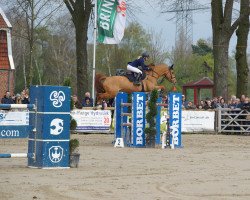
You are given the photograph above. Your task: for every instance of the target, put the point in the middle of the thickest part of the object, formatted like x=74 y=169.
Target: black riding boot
x=137 y=79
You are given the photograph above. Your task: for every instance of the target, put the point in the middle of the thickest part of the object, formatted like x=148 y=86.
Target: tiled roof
x=4 y=22
x=205 y=81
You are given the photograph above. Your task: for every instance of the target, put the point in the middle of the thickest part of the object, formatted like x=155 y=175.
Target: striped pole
x=17 y=106
x=17 y=155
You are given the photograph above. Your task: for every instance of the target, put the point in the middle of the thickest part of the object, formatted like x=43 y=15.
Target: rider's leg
x=133 y=69
x=136 y=70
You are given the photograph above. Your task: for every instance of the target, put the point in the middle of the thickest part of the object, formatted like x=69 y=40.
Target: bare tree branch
x=70 y=5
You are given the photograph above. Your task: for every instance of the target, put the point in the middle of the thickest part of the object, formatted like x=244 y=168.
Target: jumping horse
x=108 y=87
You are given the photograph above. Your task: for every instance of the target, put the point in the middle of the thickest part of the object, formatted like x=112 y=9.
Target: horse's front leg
x=160 y=87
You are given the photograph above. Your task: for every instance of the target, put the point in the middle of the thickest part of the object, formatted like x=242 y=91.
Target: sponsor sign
x=92 y=120
x=9 y=118
x=139 y=107
x=198 y=121
x=175 y=105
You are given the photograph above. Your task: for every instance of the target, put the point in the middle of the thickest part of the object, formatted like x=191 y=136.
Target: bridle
x=171 y=74
x=158 y=75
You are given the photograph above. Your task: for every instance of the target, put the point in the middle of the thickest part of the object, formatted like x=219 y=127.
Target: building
x=7 y=67
x=198 y=90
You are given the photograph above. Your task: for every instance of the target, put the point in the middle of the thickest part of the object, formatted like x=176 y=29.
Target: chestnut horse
x=108 y=87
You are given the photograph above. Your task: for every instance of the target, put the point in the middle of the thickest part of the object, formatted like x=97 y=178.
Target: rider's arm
x=144 y=67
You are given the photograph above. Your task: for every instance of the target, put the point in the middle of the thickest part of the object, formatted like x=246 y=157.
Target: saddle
x=130 y=75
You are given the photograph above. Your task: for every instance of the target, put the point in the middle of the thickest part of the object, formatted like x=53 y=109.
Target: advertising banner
x=92 y=120
x=198 y=121
x=14 y=118
x=175 y=104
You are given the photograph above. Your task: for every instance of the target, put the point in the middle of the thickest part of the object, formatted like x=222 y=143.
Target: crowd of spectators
x=86 y=102
x=214 y=103
x=206 y=104
x=19 y=98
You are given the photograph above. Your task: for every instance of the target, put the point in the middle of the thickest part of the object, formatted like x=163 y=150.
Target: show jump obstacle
x=47 y=129
x=132 y=131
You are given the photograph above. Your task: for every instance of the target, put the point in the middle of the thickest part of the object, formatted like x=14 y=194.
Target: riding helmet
x=145 y=55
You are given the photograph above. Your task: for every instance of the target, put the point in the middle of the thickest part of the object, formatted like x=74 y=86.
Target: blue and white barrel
x=50 y=139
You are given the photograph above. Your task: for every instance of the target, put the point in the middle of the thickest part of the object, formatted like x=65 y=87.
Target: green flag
x=111 y=18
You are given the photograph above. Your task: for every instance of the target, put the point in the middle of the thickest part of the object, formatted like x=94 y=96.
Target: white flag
x=111 y=21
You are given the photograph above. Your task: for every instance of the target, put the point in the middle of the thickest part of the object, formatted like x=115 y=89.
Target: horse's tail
x=99 y=78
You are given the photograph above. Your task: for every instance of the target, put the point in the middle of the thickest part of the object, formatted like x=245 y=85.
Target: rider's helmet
x=145 y=54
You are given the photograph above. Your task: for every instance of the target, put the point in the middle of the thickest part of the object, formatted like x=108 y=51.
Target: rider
x=133 y=66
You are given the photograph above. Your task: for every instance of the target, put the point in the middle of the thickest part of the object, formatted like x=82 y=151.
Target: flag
x=111 y=18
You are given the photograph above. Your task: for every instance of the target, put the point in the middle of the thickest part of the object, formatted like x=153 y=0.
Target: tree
x=80 y=11
x=241 y=49
x=35 y=13
x=223 y=29
x=202 y=48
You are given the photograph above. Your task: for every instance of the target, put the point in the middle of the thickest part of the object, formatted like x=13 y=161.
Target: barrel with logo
x=49 y=140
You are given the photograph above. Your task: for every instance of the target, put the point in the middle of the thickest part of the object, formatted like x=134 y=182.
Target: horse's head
x=170 y=74
x=158 y=71
x=163 y=70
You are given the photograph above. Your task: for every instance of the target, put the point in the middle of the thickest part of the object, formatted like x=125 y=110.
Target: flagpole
x=94 y=50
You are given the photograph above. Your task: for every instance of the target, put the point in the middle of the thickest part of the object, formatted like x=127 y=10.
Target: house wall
x=6 y=74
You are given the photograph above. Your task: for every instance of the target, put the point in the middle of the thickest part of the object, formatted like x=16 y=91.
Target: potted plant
x=150 y=131
x=74 y=156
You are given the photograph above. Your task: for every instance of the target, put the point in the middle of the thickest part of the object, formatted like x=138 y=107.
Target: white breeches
x=134 y=69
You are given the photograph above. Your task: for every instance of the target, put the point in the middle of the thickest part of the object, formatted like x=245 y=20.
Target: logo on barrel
x=57 y=98
x=56 y=126
x=55 y=154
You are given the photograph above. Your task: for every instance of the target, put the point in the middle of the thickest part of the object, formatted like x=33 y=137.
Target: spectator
x=214 y=102
x=233 y=102
x=201 y=104
x=241 y=102
x=222 y=104
x=111 y=102
x=25 y=96
x=87 y=102
x=165 y=100
x=88 y=98
x=18 y=99
x=208 y=105
x=104 y=104
x=246 y=105
x=76 y=102
x=7 y=99
x=190 y=106
x=14 y=98
x=184 y=102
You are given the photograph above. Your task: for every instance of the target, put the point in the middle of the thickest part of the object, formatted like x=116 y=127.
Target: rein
x=158 y=75
x=153 y=71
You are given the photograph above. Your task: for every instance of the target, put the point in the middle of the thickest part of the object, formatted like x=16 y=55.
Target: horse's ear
x=171 y=67
x=151 y=65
